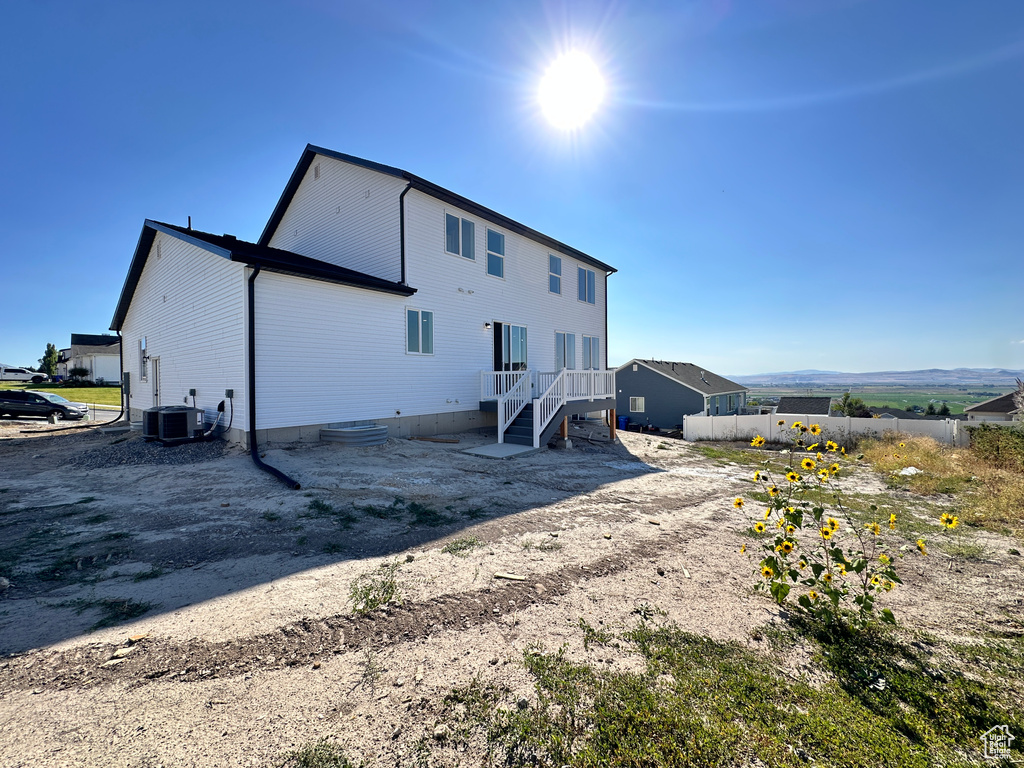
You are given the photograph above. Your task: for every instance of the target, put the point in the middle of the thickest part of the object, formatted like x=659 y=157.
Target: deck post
x=563 y=430
x=611 y=425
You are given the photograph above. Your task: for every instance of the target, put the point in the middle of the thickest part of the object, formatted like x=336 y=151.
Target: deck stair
x=520 y=431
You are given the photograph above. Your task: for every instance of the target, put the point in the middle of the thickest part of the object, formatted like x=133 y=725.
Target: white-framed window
x=419 y=332
x=495 y=253
x=565 y=351
x=554 y=274
x=459 y=236
x=732 y=402
x=591 y=353
x=636 y=405
x=143 y=361
x=587 y=285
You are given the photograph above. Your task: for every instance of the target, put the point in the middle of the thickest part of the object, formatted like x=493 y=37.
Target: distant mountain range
x=992 y=377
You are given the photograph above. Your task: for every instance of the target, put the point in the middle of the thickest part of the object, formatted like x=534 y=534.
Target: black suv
x=14 y=402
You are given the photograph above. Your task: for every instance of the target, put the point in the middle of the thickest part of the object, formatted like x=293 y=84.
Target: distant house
x=99 y=354
x=999 y=408
x=805 y=406
x=660 y=393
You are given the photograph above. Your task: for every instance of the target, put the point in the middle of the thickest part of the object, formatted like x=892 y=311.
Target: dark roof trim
x=93 y=340
x=426 y=187
x=269 y=259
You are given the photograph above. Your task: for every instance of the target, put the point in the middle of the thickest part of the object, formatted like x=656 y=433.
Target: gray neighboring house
x=999 y=408
x=98 y=353
x=805 y=406
x=660 y=393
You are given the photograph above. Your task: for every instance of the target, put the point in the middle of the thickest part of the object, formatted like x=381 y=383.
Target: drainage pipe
x=253 y=451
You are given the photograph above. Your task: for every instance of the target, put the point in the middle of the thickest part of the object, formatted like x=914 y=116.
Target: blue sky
x=782 y=184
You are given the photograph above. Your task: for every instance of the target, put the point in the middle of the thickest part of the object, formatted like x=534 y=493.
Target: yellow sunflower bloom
x=826 y=577
x=876 y=580
x=757 y=442
x=797 y=425
x=767 y=572
x=830 y=446
x=903 y=445
x=808 y=464
x=773 y=491
x=820 y=456
x=790 y=529
x=757 y=477
x=884 y=559
x=920 y=546
x=759 y=527
x=802 y=564
x=815 y=429
x=813 y=595
x=793 y=477
x=738 y=503
x=833 y=524
x=833 y=469
x=782 y=522
x=826 y=533
x=786 y=547
x=874 y=528
x=780 y=423
x=887 y=586
x=842 y=569
x=823 y=474
x=811 y=447
x=949 y=521
x=843 y=450
x=743 y=549
x=892 y=522
x=767 y=513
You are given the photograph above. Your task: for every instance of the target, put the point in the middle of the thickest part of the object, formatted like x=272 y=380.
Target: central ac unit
x=173 y=423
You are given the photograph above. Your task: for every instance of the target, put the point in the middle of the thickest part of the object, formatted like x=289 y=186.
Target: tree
x=853 y=406
x=1018 y=399
x=48 y=362
x=930 y=410
x=944 y=410
x=78 y=372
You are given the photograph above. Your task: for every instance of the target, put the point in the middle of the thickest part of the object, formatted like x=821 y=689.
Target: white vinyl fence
x=836 y=428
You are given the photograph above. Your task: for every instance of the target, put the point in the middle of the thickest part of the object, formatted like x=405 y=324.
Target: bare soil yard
x=239 y=592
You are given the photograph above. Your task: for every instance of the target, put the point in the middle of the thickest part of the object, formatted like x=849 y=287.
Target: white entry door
x=154 y=364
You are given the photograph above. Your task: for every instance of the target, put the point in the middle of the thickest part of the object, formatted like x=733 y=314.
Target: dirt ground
x=242 y=587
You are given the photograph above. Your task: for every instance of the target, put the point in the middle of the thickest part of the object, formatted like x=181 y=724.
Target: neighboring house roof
x=94 y=340
x=230 y=247
x=422 y=185
x=1001 y=404
x=898 y=413
x=78 y=351
x=696 y=378
x=806 y=406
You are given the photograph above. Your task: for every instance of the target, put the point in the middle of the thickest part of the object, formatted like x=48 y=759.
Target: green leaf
x=817 y=569
x=859 y=565
x=887 y=616
x=804 y=602
x=779 y=591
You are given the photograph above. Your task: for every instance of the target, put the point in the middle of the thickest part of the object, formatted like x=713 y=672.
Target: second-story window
x=459 y=236
x=554 y=274
x=495 y=253
x=587 y=286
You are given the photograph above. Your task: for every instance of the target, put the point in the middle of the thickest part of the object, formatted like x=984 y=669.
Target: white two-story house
x=372 y=296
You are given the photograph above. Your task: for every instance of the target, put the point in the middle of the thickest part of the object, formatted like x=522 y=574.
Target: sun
x=571 y=91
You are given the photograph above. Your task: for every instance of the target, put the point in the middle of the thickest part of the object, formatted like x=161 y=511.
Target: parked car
x=22 y=374
x=15 y=403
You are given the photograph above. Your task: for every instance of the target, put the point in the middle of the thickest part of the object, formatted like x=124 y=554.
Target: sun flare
x=571 y=91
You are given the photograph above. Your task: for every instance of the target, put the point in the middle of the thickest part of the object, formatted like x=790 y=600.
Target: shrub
x=1002 y=446
x=809 y=537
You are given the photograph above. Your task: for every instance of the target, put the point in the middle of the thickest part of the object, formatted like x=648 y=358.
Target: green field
x=90 y=395
x=894 y=396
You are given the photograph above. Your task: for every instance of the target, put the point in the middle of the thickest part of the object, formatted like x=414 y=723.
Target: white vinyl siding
x=636 y=405
x=348 y=217
x=189 y=306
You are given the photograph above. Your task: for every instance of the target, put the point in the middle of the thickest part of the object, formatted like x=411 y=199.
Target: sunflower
x=842 y=569
x=800 y=443
x=767 y=513
x=833 y=524
x=949 y=521
x=767 y=572
x=813 y=595
x=802 y=564
x=790 y=529
x=884 y=559
x=887 y=586
x=823 y=474
x=815 y=429
x=743 y=549
x=797 y=425
x=843 y=450
x=892 y=522
x=830 y=446
x=811 y=447
x=808 y=464
x=876 y=580
x=833 y=469
x=773 y=490
x=874 y=528
x=827 y=577
x=759 y=527
x=757 y=477
x=826 y=533
x=820 y=456
x=920 y=546
x=785 y=547
x=757 y=442
x=903 y=445
x=780 y=423
x=804 y=430
x=782 y=522
x=738 y=503
x=793 y=477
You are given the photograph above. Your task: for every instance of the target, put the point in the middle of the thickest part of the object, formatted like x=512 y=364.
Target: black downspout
x=401 y=225
x=253 y=451
x=120 y=369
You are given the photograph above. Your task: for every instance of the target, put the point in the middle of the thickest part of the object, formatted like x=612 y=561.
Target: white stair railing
x=495 y=384
x=547 y=405
x=512 y=402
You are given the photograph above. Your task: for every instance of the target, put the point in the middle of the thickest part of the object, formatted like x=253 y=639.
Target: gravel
x=135 y=451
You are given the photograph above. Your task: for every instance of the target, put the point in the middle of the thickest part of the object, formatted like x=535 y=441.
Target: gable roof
x=94 y=340
x=421 y=185
x=230 y=247
x=1001 y=404
x=819 y=406
x=690 y=375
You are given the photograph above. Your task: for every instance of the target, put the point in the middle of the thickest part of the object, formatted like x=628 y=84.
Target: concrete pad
x=502 y=450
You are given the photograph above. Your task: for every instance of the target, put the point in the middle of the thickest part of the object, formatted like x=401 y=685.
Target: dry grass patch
x=989 y=496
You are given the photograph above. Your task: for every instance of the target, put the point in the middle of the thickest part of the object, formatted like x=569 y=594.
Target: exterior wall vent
x=158 y=244
x=316 y=171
